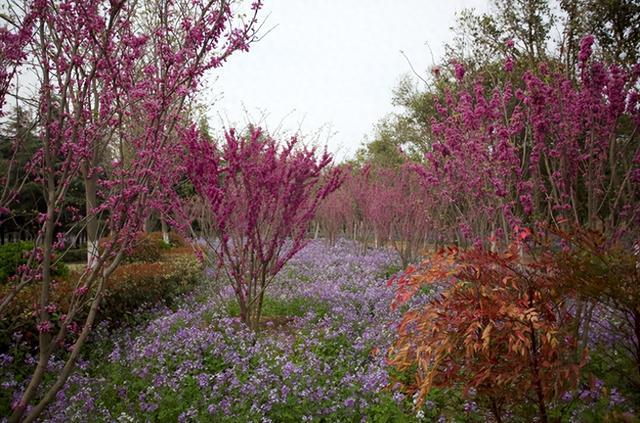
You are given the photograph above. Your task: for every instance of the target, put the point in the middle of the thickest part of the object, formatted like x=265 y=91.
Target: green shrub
x=134 y=284
x=146 y=250
x=15 y=254
x=75 y=255
x=391 y=270
x=128 y=288
x=149 y=247
x=175 y=239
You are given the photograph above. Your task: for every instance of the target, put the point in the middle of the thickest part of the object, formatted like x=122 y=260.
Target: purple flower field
x=322 y=356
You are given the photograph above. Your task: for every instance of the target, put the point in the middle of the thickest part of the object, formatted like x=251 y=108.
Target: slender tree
x=258 y=199
x=106 y=111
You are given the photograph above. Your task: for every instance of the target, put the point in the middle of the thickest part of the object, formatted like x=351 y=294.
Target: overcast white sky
x=331 y=65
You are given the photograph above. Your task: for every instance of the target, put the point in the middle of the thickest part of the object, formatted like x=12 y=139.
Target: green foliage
x=175 y=239
x=277 y=307
x=481 y=37
x=148 y=283
x=146 y=250
x=386 y=410
x=332 y=347
x=22 y=126
x=15 y=254
x=149 y=247
x=391 y=270
x=614 y=23
x=395 y=140
x=75 y=255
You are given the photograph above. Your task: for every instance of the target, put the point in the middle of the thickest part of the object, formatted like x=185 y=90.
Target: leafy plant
x=15 y=254
x=75 y=255
x=501 y=326
x=127 y=289
x=606 y=275
x=113 y=85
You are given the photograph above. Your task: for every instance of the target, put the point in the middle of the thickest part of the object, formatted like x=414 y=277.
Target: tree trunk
x=636 y=329
x=44 y=339
x=165 y=231
x=90 y=185
x=535 y=368
x=148 y=223
x=258 y=315
x=496 y=410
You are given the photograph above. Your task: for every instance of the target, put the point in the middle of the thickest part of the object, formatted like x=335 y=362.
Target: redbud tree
x=112 y=81
x=257 y=200
x=543 y=148
x=395 y=209
x=389 y=205
x=343 y=212
x=13 y=42
x=545 y=151
x=335 y=214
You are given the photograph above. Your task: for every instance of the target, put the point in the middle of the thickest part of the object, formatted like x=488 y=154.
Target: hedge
x=15 y=254
x=149 y=246
x=128 y=288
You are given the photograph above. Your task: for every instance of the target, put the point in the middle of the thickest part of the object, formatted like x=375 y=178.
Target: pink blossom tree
x=14 y=38
x=335 y=214
x=546 y=149
x=410 y=211
x=396 y=208
x=112 y=87
x=258 y=199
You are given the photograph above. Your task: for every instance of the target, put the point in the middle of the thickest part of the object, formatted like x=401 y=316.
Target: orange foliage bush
x=499 y=325
x=149 y=246
x=135 y=284
x=128 y=288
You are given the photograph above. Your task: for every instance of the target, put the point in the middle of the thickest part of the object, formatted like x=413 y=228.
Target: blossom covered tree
x=13 y=42
x=257 y=200
x=398 y=207
x=534 y=147
x=547 y=152
x=541 y=150
x=112 y=85
x=335 y=214
x=389 y=205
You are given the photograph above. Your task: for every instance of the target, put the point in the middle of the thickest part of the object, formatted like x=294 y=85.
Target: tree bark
x=90 y=185
x=165 y=231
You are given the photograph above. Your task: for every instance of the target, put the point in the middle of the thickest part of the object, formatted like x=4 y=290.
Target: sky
x=327 y=68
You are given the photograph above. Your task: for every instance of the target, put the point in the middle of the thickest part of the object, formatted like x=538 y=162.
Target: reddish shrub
x=150 y=246
x=500 y=326
x=129 y=287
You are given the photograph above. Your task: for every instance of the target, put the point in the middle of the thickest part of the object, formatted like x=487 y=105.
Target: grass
x=277 y=307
